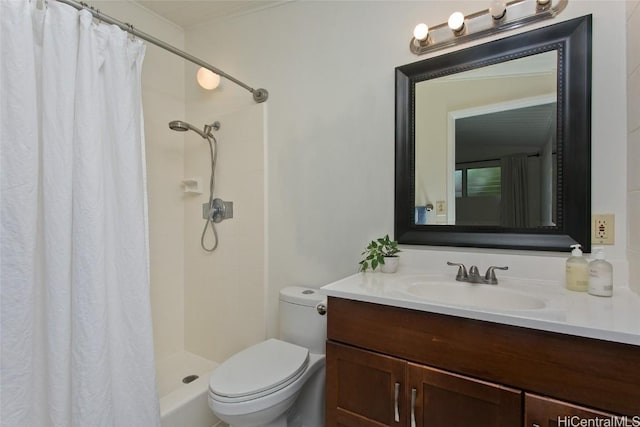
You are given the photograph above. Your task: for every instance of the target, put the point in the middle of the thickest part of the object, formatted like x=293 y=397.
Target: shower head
x=180 y=126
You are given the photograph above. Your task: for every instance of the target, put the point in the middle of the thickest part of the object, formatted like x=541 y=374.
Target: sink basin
x=471 y=295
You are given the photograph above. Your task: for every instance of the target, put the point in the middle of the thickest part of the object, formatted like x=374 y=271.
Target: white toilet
x=278 y=382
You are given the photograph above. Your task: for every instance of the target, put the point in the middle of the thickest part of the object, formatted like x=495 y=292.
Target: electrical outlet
x=441 y=207
x=603 y=229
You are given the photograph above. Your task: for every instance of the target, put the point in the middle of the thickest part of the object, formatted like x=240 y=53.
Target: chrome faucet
x=473 y=276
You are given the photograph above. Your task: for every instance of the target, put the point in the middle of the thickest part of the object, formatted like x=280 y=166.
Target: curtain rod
x=498 y=159
x=259 y=95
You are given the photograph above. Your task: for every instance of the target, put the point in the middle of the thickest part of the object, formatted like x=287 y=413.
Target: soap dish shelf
x=192 y=186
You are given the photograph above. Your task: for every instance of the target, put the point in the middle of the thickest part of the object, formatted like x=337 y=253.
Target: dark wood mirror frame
x=572 y=41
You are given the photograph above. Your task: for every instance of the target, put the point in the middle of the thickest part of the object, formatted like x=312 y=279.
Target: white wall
x=330 y=69
x=633 y=128
x=163 y=100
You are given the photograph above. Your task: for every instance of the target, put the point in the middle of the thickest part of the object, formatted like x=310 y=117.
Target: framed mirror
x=493 y=143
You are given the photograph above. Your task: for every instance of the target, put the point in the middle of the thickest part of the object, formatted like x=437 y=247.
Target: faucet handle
x=473 y=271
x=462 y=275
x=490 y=275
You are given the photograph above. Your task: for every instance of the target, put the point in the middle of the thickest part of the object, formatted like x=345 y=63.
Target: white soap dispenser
x=600 y=275
x=577 y=272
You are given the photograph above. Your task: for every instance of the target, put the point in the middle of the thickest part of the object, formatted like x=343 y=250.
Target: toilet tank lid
x=302 y=296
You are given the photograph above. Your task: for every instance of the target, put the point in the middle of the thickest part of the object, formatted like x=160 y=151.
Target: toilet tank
x=300 y=321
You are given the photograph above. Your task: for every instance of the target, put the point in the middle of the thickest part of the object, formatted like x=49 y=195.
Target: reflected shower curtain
x=77 y=346
x=514 y=191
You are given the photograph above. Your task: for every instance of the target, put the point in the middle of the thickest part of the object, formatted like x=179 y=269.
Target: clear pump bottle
x=577 y=271
x=600 y=275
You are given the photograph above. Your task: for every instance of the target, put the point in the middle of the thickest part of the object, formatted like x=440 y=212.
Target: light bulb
x=497 y=9
x=456 y=22
x=421 y=32
x=543 y=4
x=207 y=79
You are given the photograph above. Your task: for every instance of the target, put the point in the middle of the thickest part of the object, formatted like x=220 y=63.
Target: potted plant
x=381 y=252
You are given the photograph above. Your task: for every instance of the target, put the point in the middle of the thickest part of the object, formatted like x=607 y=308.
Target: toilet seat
x=257 y=371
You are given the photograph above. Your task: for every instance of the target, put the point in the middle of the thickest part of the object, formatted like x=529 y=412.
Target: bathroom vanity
x=418 y=350
x=394 y=360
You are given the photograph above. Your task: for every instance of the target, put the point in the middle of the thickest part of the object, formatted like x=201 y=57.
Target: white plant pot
x=390 y=264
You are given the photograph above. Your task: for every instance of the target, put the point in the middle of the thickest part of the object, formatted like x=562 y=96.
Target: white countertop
x=575 y=313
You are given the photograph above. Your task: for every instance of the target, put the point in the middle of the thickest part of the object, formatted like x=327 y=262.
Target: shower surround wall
x=633 y=127
x=224 y=290
x=329 y=67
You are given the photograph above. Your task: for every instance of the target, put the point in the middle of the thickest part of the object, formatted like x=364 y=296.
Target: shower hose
x=213 y=151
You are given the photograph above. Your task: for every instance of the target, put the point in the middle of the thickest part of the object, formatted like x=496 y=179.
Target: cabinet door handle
x=413 y=407
x=396 y=417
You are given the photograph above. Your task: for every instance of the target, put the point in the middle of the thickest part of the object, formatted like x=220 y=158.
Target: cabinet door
x=443 y=399
x=364 y=388
x=546 y=412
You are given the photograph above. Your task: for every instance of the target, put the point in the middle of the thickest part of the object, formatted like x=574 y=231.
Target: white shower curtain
x=77 y=346
x=514 y=191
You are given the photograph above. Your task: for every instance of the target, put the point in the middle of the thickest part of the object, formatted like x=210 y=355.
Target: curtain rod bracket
x=260 y=95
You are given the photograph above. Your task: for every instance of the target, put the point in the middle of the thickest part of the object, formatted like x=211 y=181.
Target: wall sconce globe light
x=207 y=79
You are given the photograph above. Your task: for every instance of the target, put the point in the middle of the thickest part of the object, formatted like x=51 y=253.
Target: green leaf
x=376 y=250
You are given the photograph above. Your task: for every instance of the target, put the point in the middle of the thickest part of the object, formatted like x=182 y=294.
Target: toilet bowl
x=277 y=382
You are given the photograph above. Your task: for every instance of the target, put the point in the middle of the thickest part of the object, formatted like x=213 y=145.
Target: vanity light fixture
x=207 y=79
x=499 y=17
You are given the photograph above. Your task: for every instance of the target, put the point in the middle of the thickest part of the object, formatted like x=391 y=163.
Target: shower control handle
x=219 y=211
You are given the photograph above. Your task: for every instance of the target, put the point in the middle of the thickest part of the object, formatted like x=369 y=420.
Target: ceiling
x=519 y=130
x=188 y=13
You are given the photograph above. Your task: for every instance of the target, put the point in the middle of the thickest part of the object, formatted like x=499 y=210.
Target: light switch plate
x=441 y=207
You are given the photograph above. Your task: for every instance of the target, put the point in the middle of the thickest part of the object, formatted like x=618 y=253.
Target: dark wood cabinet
x=443 y=399
x=543 y=411
x=364 y=388
x=370 y=389
x=389 y=366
